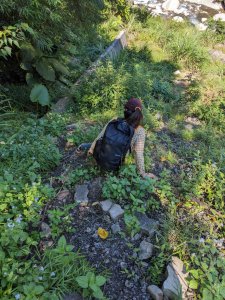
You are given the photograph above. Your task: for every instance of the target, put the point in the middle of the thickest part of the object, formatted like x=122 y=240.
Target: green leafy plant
x=91 y=285
x=206 y=269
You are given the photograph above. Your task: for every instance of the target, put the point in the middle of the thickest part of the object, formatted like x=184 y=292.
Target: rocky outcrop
x=175 y=286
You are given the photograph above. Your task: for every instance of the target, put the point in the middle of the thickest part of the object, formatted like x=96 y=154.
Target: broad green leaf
x=39 y=94
x=59 y=67
x=39 y=289
x=8 y=50
x=82 y=281
x=94 y=287
x=194 y=273
x=16 y=43
x=30 y=79
x=45 y=70
x=62 y=242
x=98 y=294
x=207 y=295
x=100 y=280
x=193 y=284
x=28 y=52
x=26 y=66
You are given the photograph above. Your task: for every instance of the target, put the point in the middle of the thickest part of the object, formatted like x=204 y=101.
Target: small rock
x=116 y=212
x=129 y=284
x=73 y=296
x=106 y=205
x=188 y=127
x=201 y=27
x=204 y=20
x=175 y=284
x=136 y=237
x=178 y=19
x=177 y=72
x=158 y=116
x=220 y=17
x=71 y=126
x=46 y=244
x=171 y=5
x=88 y=230
x=123 y=265
x=81 y=194
x=46 y=230
x=217 y=55
x=62 y=195
x=147 y=225
x=193 y=121
x=146 y=250
x=155 y=292
x=115 y=228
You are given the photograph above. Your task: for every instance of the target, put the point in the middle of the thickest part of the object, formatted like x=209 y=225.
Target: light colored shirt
x=137 y=147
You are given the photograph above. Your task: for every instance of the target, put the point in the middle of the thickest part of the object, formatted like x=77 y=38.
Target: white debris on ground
x=196 y=11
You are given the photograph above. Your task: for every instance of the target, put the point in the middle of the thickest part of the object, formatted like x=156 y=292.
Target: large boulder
x=175 y=286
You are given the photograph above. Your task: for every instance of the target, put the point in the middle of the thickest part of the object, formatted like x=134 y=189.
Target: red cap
x=133 y=104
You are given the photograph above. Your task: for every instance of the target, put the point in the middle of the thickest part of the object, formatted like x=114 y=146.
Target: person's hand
x=151 y=175
x=90 y=152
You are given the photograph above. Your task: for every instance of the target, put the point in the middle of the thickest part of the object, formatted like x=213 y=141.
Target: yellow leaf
x=163 y=158
x=103 y=233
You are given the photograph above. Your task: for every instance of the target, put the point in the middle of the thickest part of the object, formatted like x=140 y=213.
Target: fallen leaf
x=103 y=233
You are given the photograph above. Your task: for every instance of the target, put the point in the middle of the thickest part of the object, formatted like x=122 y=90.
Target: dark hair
x=133 y=118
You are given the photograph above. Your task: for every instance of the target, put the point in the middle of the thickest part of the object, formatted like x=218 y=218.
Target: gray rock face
x=115 y=228
x=81 y=194
x=171 y=5
x=106 y=205
x=155 y=292
x=116 y=212
x=147 y=225
x=46 y=230
x=175 y=286
x=146 y=250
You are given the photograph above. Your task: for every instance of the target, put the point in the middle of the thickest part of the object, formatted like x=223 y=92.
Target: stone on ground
x=147 y=225
x=171 y=5
x=81 y=194
x=106 y=205
x=115 y=228
x=220 y=17
x=178 y=19
x=73 y=296
x=146 y=250
x=46 y=230
x=217 y=55
x=62 y=195
x=175 y=286
x=116 y=212
x=155 y=292
x=71 y=126
x=201 y=27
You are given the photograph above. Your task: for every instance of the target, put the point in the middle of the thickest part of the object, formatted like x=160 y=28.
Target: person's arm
x=138 y=151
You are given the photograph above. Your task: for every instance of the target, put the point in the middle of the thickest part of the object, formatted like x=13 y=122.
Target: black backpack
x=111 y=149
